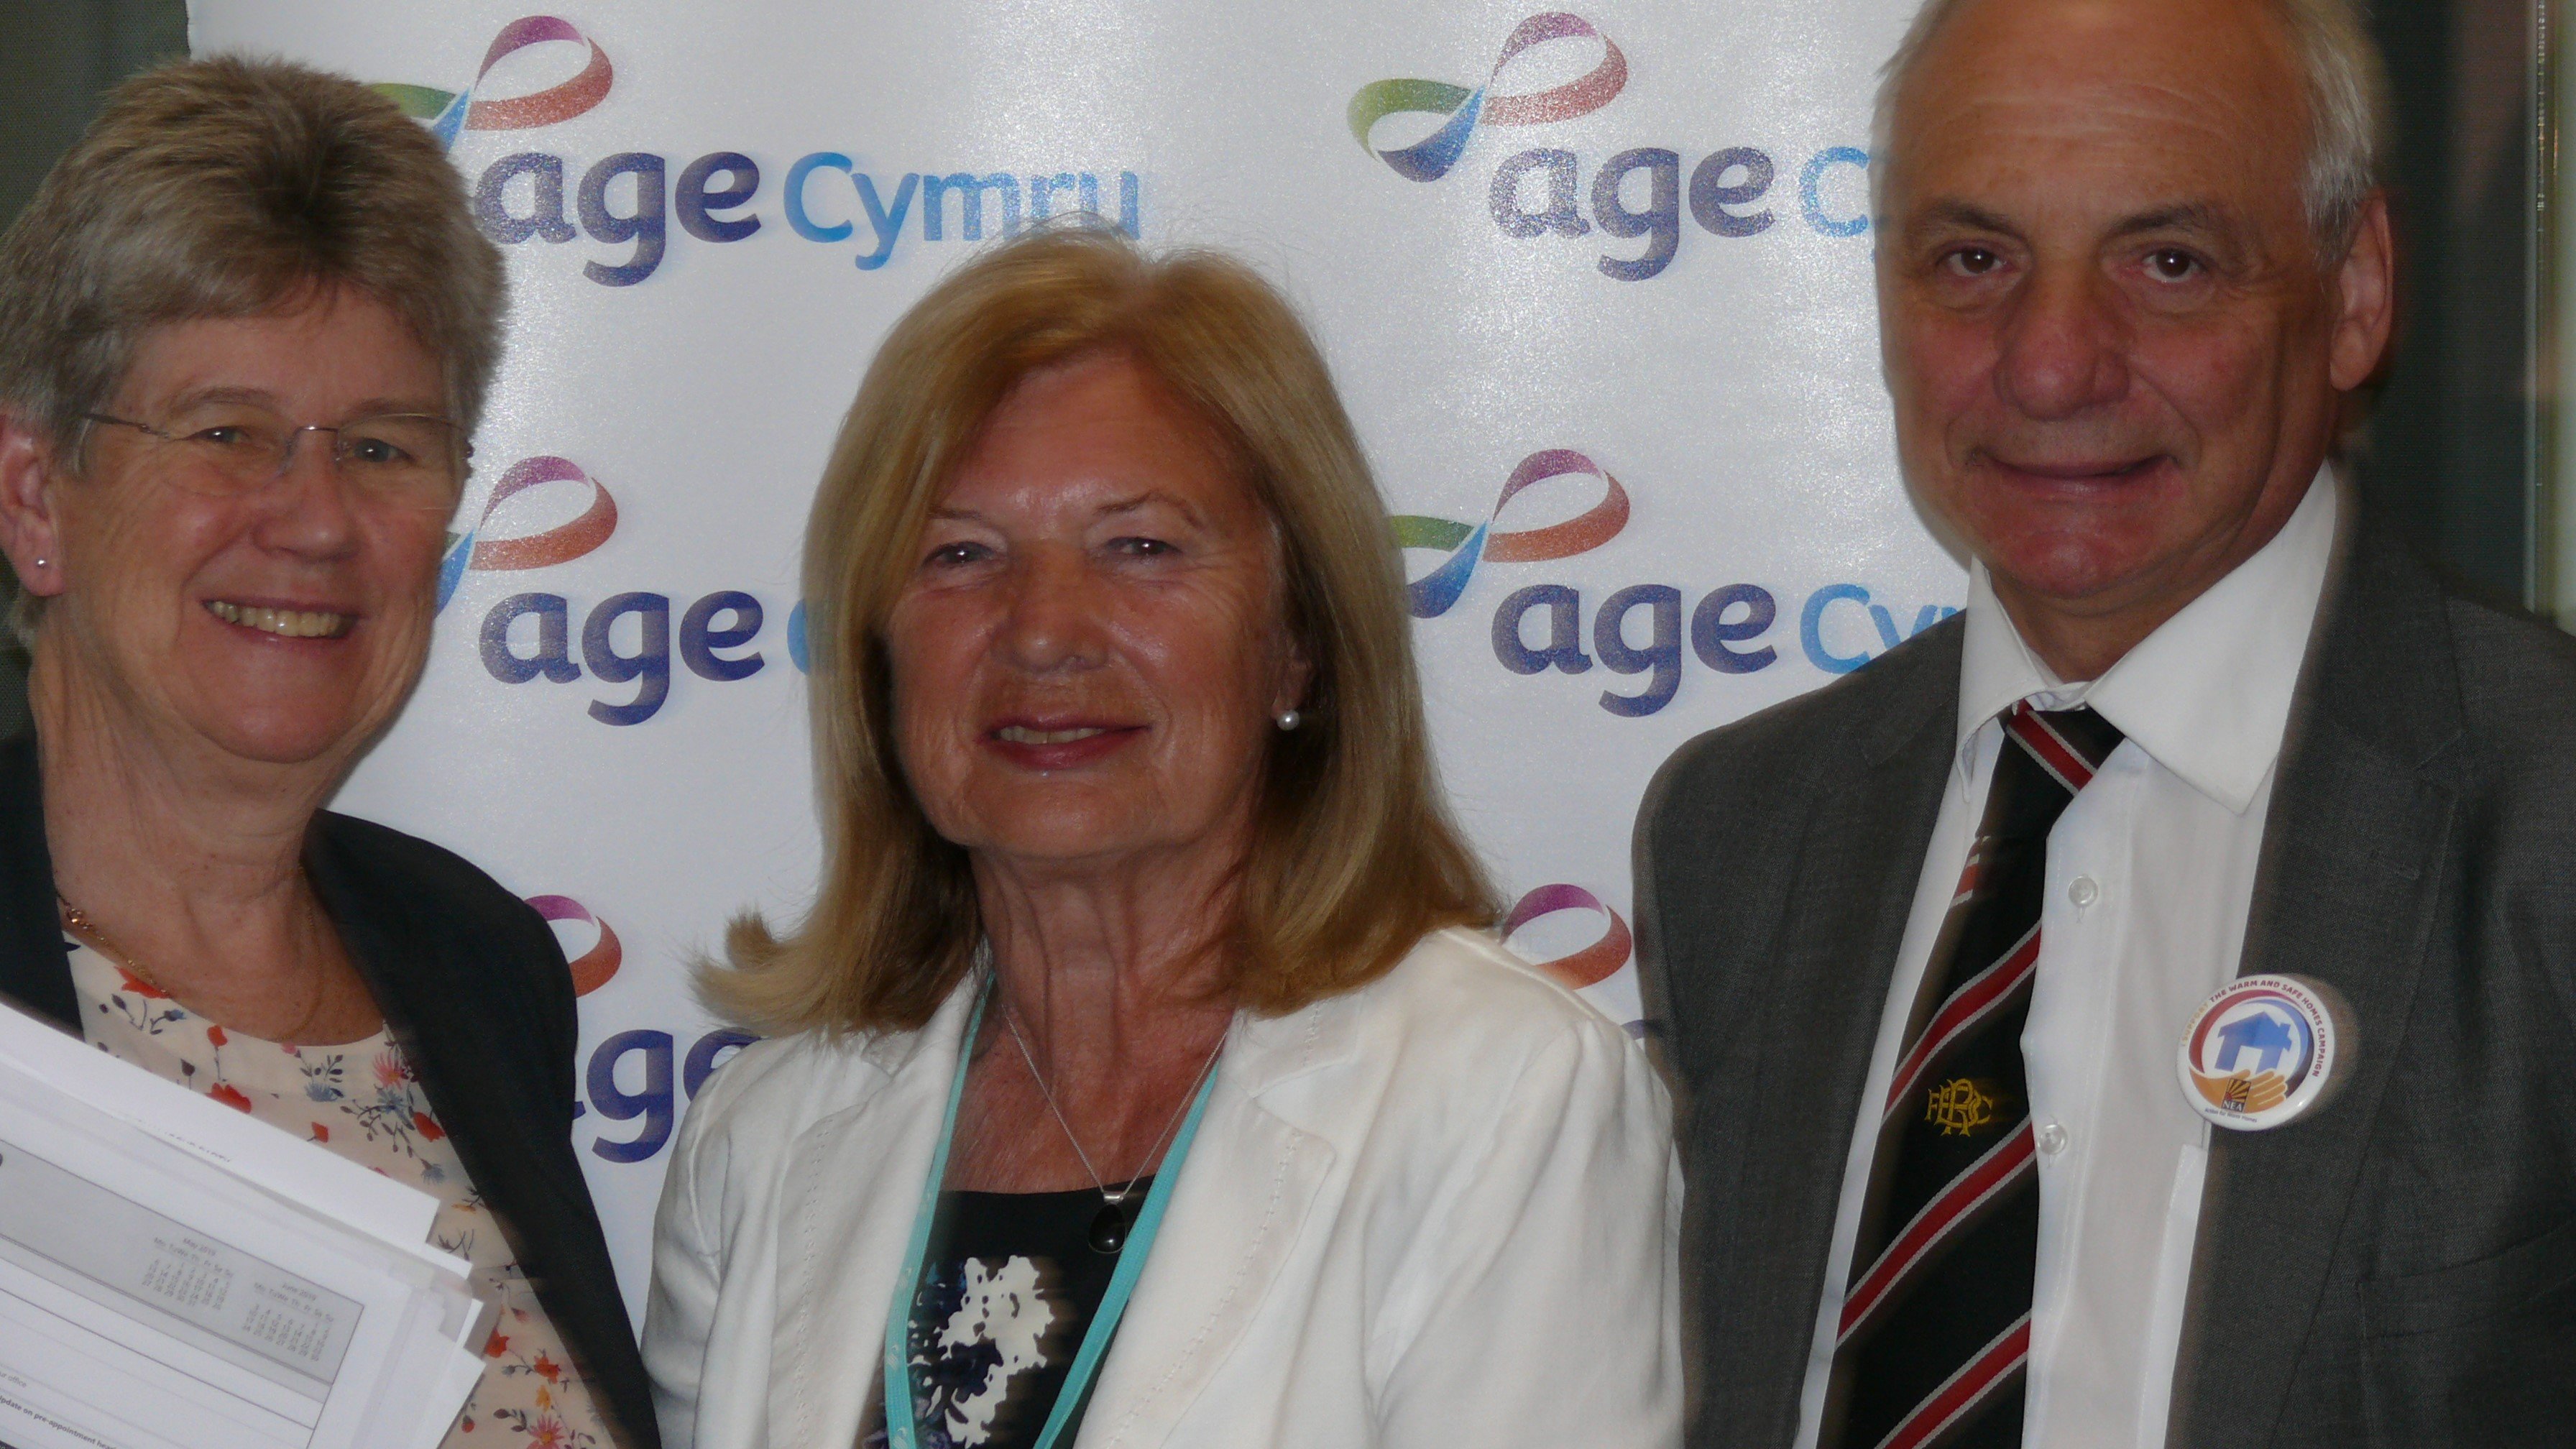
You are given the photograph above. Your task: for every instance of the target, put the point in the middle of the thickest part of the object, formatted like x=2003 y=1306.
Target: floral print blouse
x=363 y=1101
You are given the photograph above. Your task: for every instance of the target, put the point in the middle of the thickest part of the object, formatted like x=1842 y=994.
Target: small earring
x=1289 y=719
x=40 y=563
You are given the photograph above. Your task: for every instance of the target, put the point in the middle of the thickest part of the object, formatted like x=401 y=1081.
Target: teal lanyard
x=902 y=1430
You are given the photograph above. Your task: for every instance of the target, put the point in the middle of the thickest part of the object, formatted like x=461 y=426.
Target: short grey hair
x=2341 y=71
x=234 y=187
x=225 y=188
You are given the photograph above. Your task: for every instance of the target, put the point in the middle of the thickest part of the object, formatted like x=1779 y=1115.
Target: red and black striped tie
x=1936 y=1319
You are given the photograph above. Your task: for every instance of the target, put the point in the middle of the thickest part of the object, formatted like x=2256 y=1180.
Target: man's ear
x=2366 y=293
x=29 y=532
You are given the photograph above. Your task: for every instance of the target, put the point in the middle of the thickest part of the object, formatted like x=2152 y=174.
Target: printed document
x=175 y=1275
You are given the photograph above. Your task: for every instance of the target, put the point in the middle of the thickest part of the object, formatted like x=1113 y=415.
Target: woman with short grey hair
x=246 y=328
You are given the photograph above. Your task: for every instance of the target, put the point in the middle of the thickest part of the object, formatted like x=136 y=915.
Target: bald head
x=2117 y=347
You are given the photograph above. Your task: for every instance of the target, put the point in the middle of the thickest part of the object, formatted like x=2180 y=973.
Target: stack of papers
x=177 y=1275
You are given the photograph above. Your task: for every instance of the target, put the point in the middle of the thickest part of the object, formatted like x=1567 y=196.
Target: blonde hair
x=1353 y=857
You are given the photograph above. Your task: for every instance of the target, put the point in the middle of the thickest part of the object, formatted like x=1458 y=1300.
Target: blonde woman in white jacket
x=1138 y=1077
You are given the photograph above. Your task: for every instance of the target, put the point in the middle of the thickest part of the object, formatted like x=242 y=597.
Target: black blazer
x=2398 y=1269
x=473 y=983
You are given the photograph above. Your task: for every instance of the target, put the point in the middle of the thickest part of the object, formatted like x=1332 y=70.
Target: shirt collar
x=2207 y=695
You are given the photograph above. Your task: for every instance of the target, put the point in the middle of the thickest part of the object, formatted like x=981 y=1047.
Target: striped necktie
x=1936 y=1317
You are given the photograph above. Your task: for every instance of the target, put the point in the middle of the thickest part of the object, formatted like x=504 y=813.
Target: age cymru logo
x=1548 y=625
x=1554 y=193
x=562 y=543
x=1430 y=159
x=448 y=112
x=1470 y=544
x=644 y=202
x=626 y=636
x=591 y=969
x=1589 y=965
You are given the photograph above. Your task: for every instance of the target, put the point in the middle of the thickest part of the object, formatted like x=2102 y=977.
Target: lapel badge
x=2265 y=1051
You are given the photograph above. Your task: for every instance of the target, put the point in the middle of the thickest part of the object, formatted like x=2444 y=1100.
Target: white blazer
x=1437 y=1212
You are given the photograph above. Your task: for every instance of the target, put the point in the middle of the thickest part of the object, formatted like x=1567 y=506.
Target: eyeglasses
x=231 y=450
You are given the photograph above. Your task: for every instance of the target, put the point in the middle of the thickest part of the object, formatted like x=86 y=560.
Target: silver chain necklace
x=1109 y=1229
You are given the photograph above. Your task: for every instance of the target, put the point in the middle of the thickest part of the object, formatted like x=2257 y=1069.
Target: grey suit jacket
x=2399 y=1269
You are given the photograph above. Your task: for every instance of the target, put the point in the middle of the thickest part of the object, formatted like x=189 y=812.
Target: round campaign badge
x=2264 y=1051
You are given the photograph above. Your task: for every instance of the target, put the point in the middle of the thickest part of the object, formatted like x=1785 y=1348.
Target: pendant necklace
x=1112 y=1236
x=1109 y=1229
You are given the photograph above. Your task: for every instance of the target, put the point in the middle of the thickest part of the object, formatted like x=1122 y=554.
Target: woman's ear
x=1296 y=676
x=29 y=532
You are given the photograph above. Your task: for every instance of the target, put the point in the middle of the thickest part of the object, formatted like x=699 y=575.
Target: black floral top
x=1010 y=1288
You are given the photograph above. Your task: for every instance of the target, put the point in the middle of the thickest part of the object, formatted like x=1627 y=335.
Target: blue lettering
x=1129 y=207
x=705 y=1057
x=698 y=205
x=970 y=201
x=699 y=643
x=1710 y=196
x=1663 y=656
x=1924 y=618
x=651 y=661
x=1811 y=621
x=1661 y=220
x=1811 y=191
x=1712 y=635
x=798 y=220
x=643 y=227
x=889 y=225
x=1564 y=647
x=553 y=658
x=545 y=216
x=1042 y=191
x=654 y=1103
x=1561 y=215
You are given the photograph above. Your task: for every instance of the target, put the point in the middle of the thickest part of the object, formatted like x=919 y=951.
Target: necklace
x=1109 y=1229
x=903 y=1429
x=78 y=920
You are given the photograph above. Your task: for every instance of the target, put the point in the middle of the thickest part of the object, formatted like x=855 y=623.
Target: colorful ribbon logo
x=1593 y=963
x=1431 y=595
x=591 y=970
x=449 y=111
x=560 y=544
x=1430 y=159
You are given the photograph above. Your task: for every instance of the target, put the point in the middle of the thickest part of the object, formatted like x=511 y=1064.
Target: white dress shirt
x=2150 y=876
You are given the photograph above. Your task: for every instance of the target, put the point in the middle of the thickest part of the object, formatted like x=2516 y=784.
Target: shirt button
x=2052 y=1138
x=2083 y=892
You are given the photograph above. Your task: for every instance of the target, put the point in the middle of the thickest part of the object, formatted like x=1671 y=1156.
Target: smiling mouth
x=2105 y=472
x=1023 y=735
x=287 y=623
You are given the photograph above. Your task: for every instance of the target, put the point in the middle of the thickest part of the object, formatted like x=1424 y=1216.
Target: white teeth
x=1022 y=735
x=292 y=623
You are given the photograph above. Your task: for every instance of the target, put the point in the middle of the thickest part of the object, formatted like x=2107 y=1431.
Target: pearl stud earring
x=1289 y=719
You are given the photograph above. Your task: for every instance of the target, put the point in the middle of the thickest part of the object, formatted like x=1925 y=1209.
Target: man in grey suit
x=1989 y=1139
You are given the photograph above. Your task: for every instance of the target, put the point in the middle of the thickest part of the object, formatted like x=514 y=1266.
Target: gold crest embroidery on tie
x=1960 y=1106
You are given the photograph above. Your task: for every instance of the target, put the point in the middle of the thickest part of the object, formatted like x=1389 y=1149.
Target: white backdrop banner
x=1595 y=285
